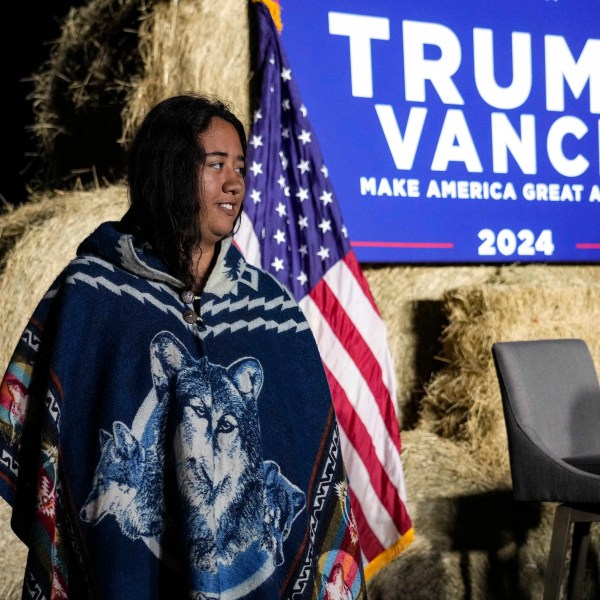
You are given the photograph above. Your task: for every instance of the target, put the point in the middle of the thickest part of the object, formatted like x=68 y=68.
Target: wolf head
x=216 y=447
x=225 y=502
x=117 y=480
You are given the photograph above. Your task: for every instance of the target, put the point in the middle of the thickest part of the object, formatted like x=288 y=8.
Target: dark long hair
x=164 y=187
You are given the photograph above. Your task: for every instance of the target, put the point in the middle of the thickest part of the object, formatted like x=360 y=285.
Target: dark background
x=26 y=30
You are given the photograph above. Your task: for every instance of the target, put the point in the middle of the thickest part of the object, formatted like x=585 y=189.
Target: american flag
x=292 y=227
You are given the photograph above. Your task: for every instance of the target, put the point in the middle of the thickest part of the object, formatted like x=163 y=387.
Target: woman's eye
x=241 y=170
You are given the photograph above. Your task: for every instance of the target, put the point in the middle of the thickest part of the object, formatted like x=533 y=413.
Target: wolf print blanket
x=150 y=455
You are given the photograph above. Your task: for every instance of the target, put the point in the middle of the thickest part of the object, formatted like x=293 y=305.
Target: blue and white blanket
x=148 y=454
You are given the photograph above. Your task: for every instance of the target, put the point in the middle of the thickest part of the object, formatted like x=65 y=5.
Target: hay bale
x=410 y=301
x=462 y=400
x=117 y=58
x=44 y=237
x=13 y=555
x=80 y=92
x=15 y=222
x=191 y=45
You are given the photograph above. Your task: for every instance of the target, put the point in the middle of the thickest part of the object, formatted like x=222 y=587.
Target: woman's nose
x=234 y=182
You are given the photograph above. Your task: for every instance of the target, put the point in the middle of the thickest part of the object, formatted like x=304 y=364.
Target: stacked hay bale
x=129 y=55
x=473 y=540
x=115 y=59
x=532 y=302
x=43 y=237
x=410 y=299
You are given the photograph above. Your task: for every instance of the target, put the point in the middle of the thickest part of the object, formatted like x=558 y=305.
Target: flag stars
x=255 y=195
x=256 y=168
x=323 y=253
x=286 y=191
x=344 y=231
x=304 y=166
x=285 y=132
x=302 y=278
x=272 y=59
x=286 y=104
x=326 y=198
x=304 y=137
x=257 y=115
x=303 y=250
x=279 y=237
x=303 y=222
x=303 y=110
x=277 y=264
x=281 y=181
x=286 y=74
x=256 y=141
x=280 y=210
x=324 y=225
x=325 y=171
x=302 y=194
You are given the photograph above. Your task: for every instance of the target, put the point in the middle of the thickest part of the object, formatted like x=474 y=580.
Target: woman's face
x=222 y=185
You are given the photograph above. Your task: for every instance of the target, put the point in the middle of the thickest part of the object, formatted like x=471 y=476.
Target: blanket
x=158 y=444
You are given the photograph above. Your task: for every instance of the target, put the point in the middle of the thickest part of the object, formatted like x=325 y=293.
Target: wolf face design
x=127 y=484
x=216 y=447
x=236 y=509
x=283 y=502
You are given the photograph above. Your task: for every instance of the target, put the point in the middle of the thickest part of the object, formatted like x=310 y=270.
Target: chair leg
x=558 y=549
x=581 y=538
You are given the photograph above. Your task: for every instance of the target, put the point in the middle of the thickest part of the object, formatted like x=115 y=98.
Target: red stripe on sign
x=587 y=246
x=360 y=353
x=425 y=245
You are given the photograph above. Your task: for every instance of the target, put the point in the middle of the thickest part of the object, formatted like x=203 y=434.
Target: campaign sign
x=456 y=131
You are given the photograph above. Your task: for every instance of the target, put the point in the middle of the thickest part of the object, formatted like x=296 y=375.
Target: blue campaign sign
x=463 y=131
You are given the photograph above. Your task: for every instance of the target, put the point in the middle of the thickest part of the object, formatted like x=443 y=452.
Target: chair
x=551 y=402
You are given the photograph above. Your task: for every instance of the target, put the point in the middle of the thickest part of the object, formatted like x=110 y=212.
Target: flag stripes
x=365 y=370
x=292 y=227
x=351 y=288
x=364 y=451
x=367 y=429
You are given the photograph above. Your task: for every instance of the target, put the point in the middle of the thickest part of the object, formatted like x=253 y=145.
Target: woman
x=165 y=421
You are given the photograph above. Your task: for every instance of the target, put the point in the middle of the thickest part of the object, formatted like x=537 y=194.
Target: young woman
x=165 y=423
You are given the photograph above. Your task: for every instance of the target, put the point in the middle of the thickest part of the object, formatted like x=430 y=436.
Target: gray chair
x=551 y=401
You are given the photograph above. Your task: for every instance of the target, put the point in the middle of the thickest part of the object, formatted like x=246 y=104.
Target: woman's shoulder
x=237 y=264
